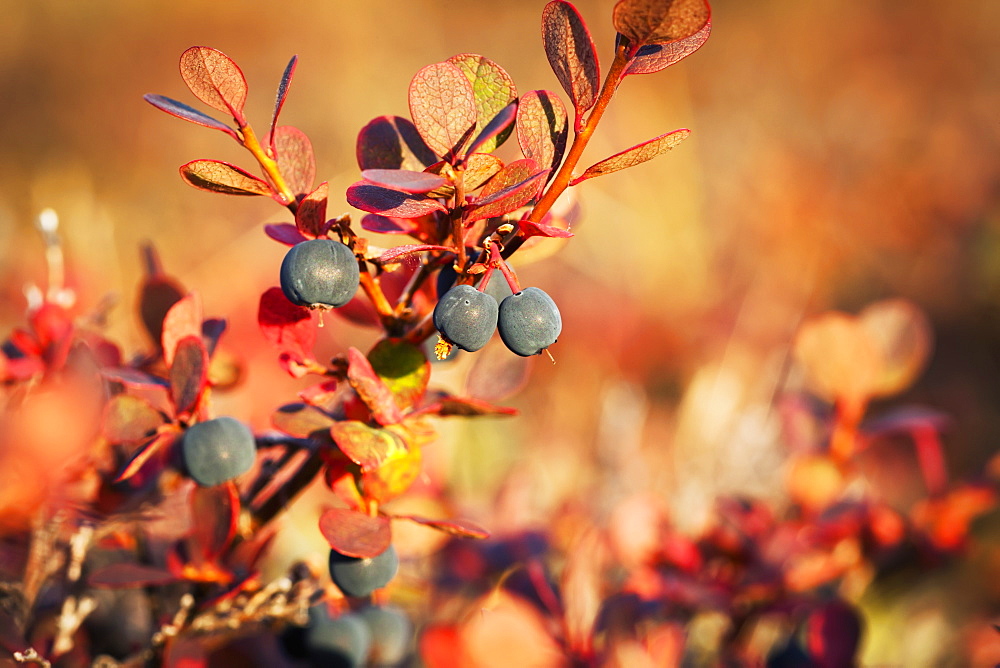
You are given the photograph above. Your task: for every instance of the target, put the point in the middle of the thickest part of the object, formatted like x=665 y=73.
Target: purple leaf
x=222 y=177
x=443 y=106
x=215 y=80
x=394 y=255
x=516 y=185
x=294 y=154
x=181 y=110
x=501 y=124
x=655 y=57
x=635 y=155
x=571 y=54
x=542 y=128
x=404 y=180
x=392 y=142
x=279 y=100
x=392 y=203
x=285 y=233
x=385 y=225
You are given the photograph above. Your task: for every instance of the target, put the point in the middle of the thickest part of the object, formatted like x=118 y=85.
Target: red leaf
x=128 y=419
x=636 y=155
x=158 y=293
x=655 y=57
x=385 y=225
x=395 y=254
x=446 y=405
x=279 y=100
x=294 y=154
x=221 y=177
x=183 y=111
x=371 y=389
x=285 y=233
x=392 y=203
x=182 y=320
x=144 y=452
x=301 y=420
x=216 y=510
x=480 y=168
x=392 y=142
x=659 y=21
x=542 y=128
x=135 y=379
x=499 y=127
x=403 y=367
x=215 y=80
x=493 y=90
x=366 y=446
x=516 y=185
x=443 y=106
x=462 y=528
x=532 y=229
x=404 y=180
x=289 y=327
x=188 y=374
x=354 y=533
x=130 y=575
x=833 y=633
x=571 y=54
x=310 y=216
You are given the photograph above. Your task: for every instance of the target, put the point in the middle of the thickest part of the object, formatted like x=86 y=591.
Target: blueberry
x=344 y=640
x=497 y=286
x=218 y=450
x=466 y=317
x=391 y=634
x=360 y=577
x=529 y=322
x=319 y=272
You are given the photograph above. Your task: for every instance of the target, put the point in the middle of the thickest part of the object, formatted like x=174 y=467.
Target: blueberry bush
x=152 y=548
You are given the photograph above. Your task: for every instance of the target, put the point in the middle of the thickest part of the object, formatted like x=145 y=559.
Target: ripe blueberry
x=529 y=322
x=466 y=317
x=392 y=633
x=218 y=450
x=319 y=272
x=360 y=577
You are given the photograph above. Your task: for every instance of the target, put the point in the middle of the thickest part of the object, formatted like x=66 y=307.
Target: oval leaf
x=571 y=54
x=188 y=374
x=371 y=389
x=128 y=419
x=301 y=420
x=404 y=180
x=404 y=368
x=392 y=142
x=217 y=509
x=144 y=453
x=443 y=106
x=181 y=110
x=659 y=21
x=636 y=155
x=501 y=126
x=182 y=320
x=493 y=90
x=310 y=216
x=516 y=185
x=294 y=154
x=285 y=233
x=394 y=476
x=367 y=447
x=221 y=177
x=480 y=168
x=902 y=333
x=354 y=533
x=279 y=99
x=215 y=80
x=462 y=528
x=655 y=57
x=386 y=225
x=542 y=128
x=289 y=327
x=391 y=203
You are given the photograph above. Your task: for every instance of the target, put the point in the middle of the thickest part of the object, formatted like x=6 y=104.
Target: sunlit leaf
x=285 y=233
x=397 y=253
x=310 y=216
x=392 y=203
x=354 y=533
x=542 y=128
x=902 y=333
x=403 y=368
x=493 y=90
x=181 y=110
x=182 y=320
x=215 y=80
x=501 y=126
x=404 y=180
x=372 y=390
x=289 y=327
x=301 y=420
x=188 y=374
x=532 y=229
x=144 y=452
x=516 y=185
x=571 y=54
x=294 y=154
x=128 y=419
x=279 y=99
x=840 y=359
x=649 y=21
x=655 y=57
x=443 y=106
x=221 y=177
x=386 y=225
x=480 y=168
x=392 y=142
x=461 y=528
x=366 y=446
x=393 y=477
x=636 y=155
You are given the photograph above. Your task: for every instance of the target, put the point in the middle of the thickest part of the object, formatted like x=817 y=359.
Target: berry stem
x=496 y=260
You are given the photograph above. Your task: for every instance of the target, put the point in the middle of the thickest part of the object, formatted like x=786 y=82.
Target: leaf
x=366 y=446
x=285 y=233
x=279 y=99
x=395 y=254
x=480 y=168
x=649 y=21
x=211 y=331
x=371 y=389
x=902 y=334
x=215 y=80
x=496 y=374
x=392 y=142
x=443 y=106
x=493 y=90
x=461 y=528
x=391 y=203
x=288 y=326
x=571 y=54
x=443 y=404
x=394 y=476
x=181 y=110
x=216 y=510
x=182 y=320
x=386 y=225
x=221 y=177
x=655 y=57
x=158 y=293
x=144 y=452
x=310 y=216
x=403 y=368
x=188 y=374
x=501 y=126
x=404 y=180
x=542 y=128
x=134 y=378
x=838 y=357
x=130 y=575
x=633 y=156
x=294 y=154
x=354 y=533
x=128 y=419
x=516 y=185
x=301 y=420
x=532 y=229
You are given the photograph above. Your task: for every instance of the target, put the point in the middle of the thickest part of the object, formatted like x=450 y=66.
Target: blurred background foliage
x=842 y=153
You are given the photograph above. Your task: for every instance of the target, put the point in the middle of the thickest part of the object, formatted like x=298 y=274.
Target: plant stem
x=269 y=165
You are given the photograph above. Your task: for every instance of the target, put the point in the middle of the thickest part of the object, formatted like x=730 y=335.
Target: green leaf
x=636 y=155
x=659 y=21
x=221 y=177
x=443 y=106
x=366 y=446
x=542 y=128
x=571 y=54
x=493 y=90
x=373 y=392
x=403 y=368
x=215 y=79
x=354 y=533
